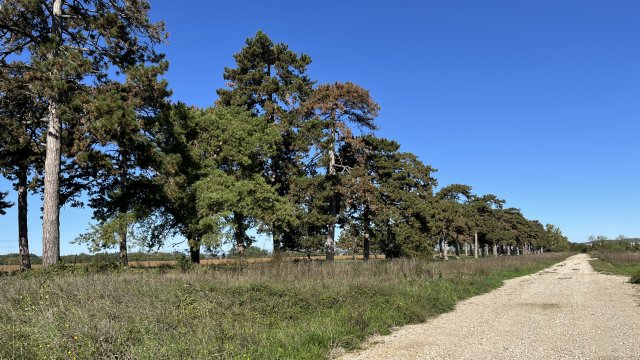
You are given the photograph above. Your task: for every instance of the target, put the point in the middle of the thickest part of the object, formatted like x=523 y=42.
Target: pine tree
x=233 y=196
x=21 y=145
x=270 y=80
x=68 y=47
x=178 y=172
x=122 y=125
x=3 y=203
x=336 y=107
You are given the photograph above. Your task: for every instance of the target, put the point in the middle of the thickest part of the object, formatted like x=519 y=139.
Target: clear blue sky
x=536 y=101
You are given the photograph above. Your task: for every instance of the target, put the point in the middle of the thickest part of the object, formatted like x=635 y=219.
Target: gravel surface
x=567 y=311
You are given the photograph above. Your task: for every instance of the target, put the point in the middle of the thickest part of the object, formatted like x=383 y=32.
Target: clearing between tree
x=567 y=311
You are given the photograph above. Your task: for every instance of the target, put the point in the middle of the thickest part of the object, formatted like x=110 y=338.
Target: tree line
x=88 y=122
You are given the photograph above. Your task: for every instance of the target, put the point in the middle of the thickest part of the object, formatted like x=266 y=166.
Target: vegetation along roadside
x=617 y=262
x=299 y=310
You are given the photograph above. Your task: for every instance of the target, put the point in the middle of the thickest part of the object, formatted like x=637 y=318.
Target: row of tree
x=87 y=116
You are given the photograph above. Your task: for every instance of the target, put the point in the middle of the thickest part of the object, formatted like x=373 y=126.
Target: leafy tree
x=386 y=196
x=68 y=47
x=336 y=107
x=270 y=80
x=449 y=216
x=405 y=196
x=233 y=196
x=178 y=172
x=484 y=220
x=555 y=240
x=122 y=123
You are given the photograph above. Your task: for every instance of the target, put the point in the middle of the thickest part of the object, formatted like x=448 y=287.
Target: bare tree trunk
x=51 y=203
x=466 y=248
x=456 y=246
x=275 y=234
x=330 y=243
x=495 y=249
x=239 y=234
x=367 y=246
x=445 y=248
x=124 y=208
x=367 y=237
x=23 y=237
x=475 y=246
x=508 y=249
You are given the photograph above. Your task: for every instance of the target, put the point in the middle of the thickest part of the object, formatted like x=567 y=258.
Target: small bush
x=635 y=279
x=183 y=262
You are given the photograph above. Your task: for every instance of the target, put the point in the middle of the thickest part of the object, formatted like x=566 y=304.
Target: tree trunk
x=367 y=237
x=485 y=250
x=445 y=248
x=475 y=246
x=466 y=249
x=51 y=202
x=495 y=249
x=124 y=209
x=275 y=237
x=509 y=250
x=23 y=238
x=330 y=243
x=457 y=248
x=367 y=245
x=194 y=250
x=239 y=234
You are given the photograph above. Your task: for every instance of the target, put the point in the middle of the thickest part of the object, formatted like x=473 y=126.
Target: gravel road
x=567 y=311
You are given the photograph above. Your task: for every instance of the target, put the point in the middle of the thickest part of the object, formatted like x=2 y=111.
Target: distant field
x=155 y=263
x=287 y=310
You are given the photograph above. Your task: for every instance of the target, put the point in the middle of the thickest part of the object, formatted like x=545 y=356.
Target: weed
x=261 y=311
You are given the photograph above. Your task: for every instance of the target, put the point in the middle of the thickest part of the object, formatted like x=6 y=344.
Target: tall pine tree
x=67 y=48
x=270 y=80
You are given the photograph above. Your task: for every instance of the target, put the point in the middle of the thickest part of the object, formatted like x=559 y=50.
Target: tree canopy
x=86 y=115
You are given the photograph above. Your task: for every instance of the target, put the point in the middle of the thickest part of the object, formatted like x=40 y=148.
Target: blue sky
x=535 y=101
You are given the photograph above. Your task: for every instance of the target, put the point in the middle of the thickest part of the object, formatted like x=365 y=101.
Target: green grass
x=619 y=263
x=286 y=310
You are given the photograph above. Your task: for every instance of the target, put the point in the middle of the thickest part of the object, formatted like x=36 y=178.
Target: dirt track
x=567 y=311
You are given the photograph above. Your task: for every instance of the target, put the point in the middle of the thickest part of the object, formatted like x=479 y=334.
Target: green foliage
x=183 y=263
x=3 y=203
x=233 y=196
x=270 y=80
x=249 y=252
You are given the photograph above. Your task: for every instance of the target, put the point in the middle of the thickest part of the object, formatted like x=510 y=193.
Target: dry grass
x=263 y=310
x=617 y=262
x=157 y=263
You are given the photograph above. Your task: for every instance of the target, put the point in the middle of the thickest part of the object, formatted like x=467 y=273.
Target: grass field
x=292 y=310
x=618 y=262
x=171 y=263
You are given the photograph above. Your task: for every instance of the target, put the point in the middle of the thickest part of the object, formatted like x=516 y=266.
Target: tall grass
x=281 y=310
x=618 y=262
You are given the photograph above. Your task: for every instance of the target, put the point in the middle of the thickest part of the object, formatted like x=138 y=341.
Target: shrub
x=183 y=262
